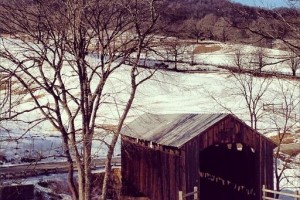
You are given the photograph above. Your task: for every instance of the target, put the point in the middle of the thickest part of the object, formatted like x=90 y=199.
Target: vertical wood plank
x=183 y=169
x=260 y=168
x=263 y=192
x=180 y=195
x=195 y=193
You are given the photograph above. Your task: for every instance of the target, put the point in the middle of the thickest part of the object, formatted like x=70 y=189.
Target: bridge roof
x=175 y=130
x=170 y=129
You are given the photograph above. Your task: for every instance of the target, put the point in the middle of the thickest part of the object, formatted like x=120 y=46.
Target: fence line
x=194 y=193
x=265 y=191
x=280 y=109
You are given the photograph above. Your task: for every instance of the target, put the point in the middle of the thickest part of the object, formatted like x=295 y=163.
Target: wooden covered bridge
x=218 y=153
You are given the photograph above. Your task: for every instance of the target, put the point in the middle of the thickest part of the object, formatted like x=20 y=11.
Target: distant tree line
x=223 y=20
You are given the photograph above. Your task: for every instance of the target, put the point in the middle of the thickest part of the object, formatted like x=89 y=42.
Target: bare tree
x=251 y=90
x=175 y=50
x=207 y=23
x=294 y=62
x=284 y=29
x=259 y=59
x=5 y=97
x=195 y=29
x=191 y=53
x=238 y=59
x=7 y=102
x=285 y=119
x=52 y=53
x=224 y=34
x=248 y=87
x=222 y=29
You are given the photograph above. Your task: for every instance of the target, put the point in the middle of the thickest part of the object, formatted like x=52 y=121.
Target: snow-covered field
x=168 y=92
x=226 y=56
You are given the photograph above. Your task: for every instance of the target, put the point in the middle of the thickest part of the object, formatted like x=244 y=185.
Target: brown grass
x=107 y=127
x=287 y=139
x=2 y=85
x=291 y=152
x=30 y=99
x=288 y=145
x=114 y=188
x=206 y=48
x=19 y=90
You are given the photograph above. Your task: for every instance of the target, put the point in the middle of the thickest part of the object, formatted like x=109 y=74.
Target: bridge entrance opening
x=227 y=171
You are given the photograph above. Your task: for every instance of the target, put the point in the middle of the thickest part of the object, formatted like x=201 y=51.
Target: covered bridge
x=218 y=153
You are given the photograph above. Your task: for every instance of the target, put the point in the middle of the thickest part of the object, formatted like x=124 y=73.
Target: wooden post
x=195 y=193
x=263 y=192
x=180 y=195
x=9 y=96
x=296 y=193
x=199 y=192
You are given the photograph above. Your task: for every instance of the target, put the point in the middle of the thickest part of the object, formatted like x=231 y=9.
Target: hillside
x=224 y=20
x=221 y=20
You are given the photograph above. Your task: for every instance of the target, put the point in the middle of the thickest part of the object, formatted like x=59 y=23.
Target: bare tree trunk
x=255 y=121
x=81 y=185
x=71 y=183
x=277 y=177
x=107 y=175
x=175 y=59
x=87 y=169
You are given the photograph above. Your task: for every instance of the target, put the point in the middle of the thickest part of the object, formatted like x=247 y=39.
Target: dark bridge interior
x=227 y=172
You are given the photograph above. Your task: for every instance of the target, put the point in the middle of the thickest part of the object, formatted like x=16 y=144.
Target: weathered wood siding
x=264 y=167
x=191 y=169
x=151 y=172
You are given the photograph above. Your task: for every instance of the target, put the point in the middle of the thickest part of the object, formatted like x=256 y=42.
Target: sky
x=270 y=3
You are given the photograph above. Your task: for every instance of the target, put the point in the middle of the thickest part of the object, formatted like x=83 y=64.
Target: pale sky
x=270 y=3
